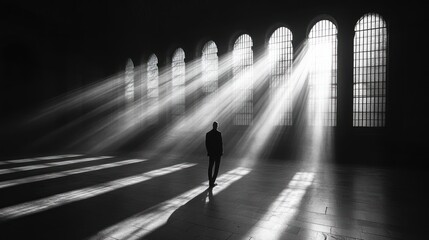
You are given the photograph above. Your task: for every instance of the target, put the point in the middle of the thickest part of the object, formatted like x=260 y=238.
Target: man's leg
x=211 y=162
x=217 y=163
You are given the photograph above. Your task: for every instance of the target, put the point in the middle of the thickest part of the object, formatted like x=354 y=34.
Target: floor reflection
x=273 y=200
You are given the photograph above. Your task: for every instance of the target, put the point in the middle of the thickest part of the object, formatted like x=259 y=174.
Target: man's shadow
x=178 y=226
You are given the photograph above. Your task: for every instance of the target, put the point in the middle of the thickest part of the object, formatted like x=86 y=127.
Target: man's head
x=214 y=125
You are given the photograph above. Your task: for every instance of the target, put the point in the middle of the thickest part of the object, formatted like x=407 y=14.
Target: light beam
x=48 y=165
x=43 y=177
x=153 y=218
x=61 y=199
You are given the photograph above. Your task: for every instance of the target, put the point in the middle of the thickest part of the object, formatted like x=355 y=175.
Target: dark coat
x=214 y=144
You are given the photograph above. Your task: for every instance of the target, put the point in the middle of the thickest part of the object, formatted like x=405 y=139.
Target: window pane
x=178 y=83
x=209 y=64
x=369 y=81
x=152 y=86
x=129 y=81
x=243 y=82
x=322 y=107
x=281 y=59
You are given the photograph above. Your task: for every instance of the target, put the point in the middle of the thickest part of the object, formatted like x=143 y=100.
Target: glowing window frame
x=129 y=81
x=323 y=32
x=370 y=71
x=178 y=71
x=243 y=80
x=209 y=68
x=280 y=50
x=153 y=85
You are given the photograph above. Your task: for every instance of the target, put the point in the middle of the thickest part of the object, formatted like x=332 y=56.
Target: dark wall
x=51 y=47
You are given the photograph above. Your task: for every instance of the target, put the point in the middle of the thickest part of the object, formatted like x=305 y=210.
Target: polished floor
x=80 y=196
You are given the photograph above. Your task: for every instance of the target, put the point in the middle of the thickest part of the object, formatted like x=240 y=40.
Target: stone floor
x=167 y=197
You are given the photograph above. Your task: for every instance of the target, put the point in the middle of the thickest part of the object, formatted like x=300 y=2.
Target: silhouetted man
x=214 y=151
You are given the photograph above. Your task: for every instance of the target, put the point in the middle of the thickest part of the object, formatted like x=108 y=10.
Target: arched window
x=243 y=80
x=322 y=83
x=209 y=64
x=281 y=58
x=178 y=82
x=152 y=85
x=129 y=81
x=369 y=72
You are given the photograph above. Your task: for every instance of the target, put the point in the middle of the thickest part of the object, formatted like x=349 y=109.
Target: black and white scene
x=213 y=120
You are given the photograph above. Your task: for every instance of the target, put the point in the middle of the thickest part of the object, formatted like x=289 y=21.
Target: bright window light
x=369 y=72
x=209 y=65
x=281 y=59
x=178 y=83
x=322 y=107
x=243 y=80
x=153 y=86
x=129 y=81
